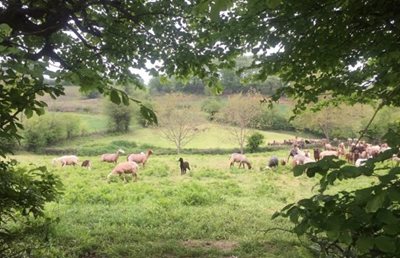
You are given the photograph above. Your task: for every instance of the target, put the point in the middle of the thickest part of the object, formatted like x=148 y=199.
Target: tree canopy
x=344 y=49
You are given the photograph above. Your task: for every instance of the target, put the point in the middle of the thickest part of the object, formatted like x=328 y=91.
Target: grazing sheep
x=241 y=159
x=273 y=162
x=127 y=167
x=294 y=151
x=112 y=157
x=328 y=153
x=184 y=165
x=140 y=158
x=87 y=164
x=300 y=159
x=317 y=153
x=66 y=160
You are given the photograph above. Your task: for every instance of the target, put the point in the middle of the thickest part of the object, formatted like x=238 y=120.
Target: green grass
x=213 y=211
x=210 y=136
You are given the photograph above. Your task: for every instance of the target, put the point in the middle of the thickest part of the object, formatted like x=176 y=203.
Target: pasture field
x=210 y=136
x=213 y=211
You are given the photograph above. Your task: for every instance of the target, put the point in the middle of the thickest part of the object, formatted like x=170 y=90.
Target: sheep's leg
x=134 y=177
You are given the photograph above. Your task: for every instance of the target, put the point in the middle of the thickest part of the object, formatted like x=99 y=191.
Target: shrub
x=254 y=141
x=49 y=129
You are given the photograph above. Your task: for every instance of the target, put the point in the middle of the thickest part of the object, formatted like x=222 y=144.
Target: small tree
x=254 y=141
x=119 y=116
x=211 y=106
x=239 y=112
x=178 y=120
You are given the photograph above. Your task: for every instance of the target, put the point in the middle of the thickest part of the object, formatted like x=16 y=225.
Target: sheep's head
x=149 y=152
x=180 y=160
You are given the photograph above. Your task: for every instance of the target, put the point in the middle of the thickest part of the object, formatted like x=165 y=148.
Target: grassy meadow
x=213 y=211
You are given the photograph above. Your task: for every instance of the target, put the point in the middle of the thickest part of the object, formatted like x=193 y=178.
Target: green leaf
x=376 y=202
x=114 y=96
x=387 y=217
x=298 y=170
x=385 y=244
x=5 y=30
x=125 y=98
x=28 y=112
x=273 y=3
x=364 y=244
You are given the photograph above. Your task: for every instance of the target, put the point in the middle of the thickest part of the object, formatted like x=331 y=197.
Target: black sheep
x=184 y=165
x=273 y=162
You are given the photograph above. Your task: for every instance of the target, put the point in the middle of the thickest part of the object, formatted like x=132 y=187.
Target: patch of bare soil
x=222 y=245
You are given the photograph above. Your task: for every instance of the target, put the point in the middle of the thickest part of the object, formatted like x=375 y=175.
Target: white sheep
x=112 y=157
x=328 y=153
x=127 y=167
x=239 y=158
x=66 y=160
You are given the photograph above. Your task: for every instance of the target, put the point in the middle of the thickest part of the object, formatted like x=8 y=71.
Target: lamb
x=140 y=158
x=127 y=167
x=87 y=164
x=66 y=160
x=184 y=165
x=112 y=157
x=328 y=153
x=239 y=158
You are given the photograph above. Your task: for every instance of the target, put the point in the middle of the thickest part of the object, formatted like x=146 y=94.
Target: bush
x=254 y=141
x=49 y=129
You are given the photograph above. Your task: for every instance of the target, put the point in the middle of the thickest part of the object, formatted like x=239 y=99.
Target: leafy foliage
x=31 y=189
x=49 y=129
x=254 y=141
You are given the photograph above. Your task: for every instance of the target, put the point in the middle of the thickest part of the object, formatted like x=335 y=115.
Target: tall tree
x=178 y=119
x=239 y=112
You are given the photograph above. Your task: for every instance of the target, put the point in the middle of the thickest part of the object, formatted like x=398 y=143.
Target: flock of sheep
x=355 y=153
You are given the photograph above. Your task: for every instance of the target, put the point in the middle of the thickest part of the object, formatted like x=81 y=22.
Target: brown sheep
x=127 y=167
x=112 y=157
x=87 y=164
x=140 y=158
